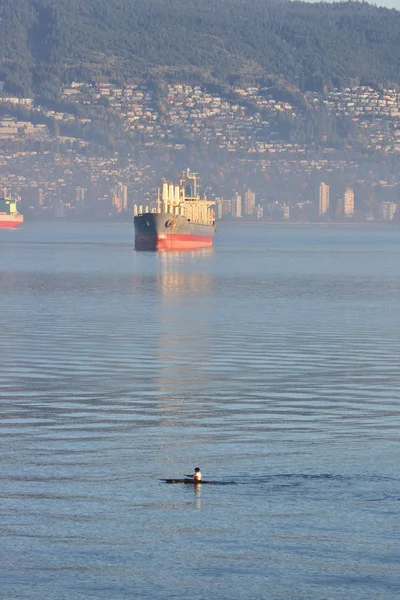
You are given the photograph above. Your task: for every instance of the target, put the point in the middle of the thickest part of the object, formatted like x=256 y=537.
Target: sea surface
x=271 y=361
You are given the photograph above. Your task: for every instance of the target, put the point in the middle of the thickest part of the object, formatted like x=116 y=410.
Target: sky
x=386 y=3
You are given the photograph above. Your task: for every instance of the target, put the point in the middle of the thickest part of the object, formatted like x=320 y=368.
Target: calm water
x=272 y=360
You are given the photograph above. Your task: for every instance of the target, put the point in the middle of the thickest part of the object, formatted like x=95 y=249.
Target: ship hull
x=10 y=221
x=166 y=232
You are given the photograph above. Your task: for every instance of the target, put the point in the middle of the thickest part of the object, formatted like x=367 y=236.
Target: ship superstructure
x=9 y=215
x=181 y=221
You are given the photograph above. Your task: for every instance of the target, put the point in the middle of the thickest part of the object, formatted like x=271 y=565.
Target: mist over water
x=271 y=360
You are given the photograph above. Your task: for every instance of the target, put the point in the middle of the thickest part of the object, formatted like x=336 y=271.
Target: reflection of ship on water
x=185 y=285
x=185 y=337
x=178 y=276
x=182 y=221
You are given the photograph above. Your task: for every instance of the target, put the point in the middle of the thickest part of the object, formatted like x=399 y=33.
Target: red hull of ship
x=177 y=241
x=10 y=224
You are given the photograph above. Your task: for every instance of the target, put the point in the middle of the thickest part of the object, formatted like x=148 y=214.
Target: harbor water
x=271 y=361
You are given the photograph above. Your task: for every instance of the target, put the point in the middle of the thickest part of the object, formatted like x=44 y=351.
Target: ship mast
x=158 y=200
x=187 y=175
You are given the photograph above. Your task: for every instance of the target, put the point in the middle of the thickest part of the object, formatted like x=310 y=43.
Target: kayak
x=193 y=482
x=186 y=480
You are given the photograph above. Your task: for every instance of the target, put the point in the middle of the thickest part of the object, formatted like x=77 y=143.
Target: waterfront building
x=121 y=192
x=219 y=205
x=348 y=204
x=60 y=210
x=80 y=204
x=40 y=197
x=388 y=210
x=323 y=200
x=117 y=204
x=249 y=203
x=237 y=206
x=79 y=195
x=226 y=207
x=286 y=212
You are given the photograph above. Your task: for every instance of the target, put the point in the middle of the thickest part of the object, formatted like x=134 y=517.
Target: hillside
x=46 y=42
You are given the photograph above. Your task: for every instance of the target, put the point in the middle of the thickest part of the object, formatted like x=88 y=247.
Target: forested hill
x=46 y=42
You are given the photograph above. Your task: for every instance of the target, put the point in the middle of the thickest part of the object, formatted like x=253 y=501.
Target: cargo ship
x=9 y=215
x=181 y=221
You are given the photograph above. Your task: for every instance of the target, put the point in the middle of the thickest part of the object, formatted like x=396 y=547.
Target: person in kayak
x=197 y=476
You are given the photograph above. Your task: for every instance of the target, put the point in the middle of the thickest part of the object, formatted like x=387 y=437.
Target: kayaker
x=197 y=476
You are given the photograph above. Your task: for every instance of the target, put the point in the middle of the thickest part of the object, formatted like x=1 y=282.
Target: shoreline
x=310 y=223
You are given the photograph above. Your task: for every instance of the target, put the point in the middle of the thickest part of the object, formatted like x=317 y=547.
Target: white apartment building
x=121 y=192
x=237 y=206
x=220 y=208
x=249 y=202
x=388 y=210
x=323 y=199
x=346 y=204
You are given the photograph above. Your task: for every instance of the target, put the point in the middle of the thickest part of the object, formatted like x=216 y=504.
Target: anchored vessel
x=182 y=220
x=9 y=215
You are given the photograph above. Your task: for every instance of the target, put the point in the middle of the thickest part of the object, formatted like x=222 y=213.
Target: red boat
x=182 y=221
x=9 y=215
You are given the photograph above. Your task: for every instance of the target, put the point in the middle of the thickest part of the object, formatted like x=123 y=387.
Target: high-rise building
x=259 y=211
x=323 y=199
x=249 y=202
x=60 y=210
x=117 y=204
x=286 y=212
x=80 y=195
x=121 y=192
x=348 y=202
x=219 y=203
x=237 y=206
x=388 y=210
x=226 y=207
